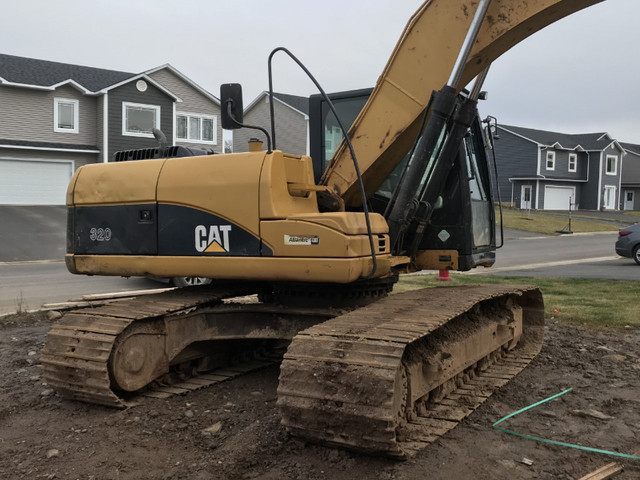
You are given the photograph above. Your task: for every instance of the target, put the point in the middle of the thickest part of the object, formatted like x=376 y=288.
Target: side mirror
x=231 y=106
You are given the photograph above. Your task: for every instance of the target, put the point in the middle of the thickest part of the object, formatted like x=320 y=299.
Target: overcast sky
x=579 y=75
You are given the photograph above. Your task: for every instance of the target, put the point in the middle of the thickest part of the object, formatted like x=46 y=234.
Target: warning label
x=301 y=240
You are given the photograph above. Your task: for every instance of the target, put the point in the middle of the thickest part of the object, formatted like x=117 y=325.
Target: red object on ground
x=443 y=275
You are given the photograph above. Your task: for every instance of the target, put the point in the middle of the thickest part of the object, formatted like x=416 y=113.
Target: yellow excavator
x=407 y=189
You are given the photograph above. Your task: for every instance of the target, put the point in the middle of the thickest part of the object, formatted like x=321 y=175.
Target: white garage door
x=34 y=182
x=557 y=198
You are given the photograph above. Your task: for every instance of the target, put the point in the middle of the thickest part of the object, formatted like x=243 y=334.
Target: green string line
x=554 y=442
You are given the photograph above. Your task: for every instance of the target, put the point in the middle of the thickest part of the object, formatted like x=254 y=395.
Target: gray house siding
x=631 y=180
x=31 y=115
x=128 y=93
x=516 y=193
x=609 y=180
x=291 y=127
x=516 y=153
x=589 y=199
x=100 y=126
x=561 y=168
x=590 y=185
x=193 y=101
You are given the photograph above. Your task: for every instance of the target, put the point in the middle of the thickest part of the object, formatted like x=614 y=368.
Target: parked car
x=628 y=244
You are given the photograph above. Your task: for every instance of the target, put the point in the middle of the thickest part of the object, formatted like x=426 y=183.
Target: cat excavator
x=321 y=241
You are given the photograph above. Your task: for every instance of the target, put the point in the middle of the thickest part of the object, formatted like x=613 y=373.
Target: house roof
x=570 y=141
x=300 y=104
x=43 y=73
x=631 y=147
x=182 y=76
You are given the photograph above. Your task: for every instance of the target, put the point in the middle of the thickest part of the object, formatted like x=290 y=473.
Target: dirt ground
x=45 y=436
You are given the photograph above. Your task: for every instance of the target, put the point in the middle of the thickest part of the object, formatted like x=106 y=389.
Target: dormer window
x=65 y=115
x=573 y=162
x=551 y=160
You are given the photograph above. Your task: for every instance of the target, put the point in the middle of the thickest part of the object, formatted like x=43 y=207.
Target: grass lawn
x=543 y=223
x=585 y=301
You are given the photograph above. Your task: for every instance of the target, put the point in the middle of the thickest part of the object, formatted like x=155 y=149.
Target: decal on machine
x=301 y=240
x=212 y=239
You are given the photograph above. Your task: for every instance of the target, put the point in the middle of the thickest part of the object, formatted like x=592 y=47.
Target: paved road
x=29 y=285
x=566 y=256
x=26 y=286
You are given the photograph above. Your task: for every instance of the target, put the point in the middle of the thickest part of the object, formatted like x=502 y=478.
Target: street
x=28 y=285
x=566 y=256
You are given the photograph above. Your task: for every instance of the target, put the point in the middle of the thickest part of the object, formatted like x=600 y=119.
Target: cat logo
x=214 y=239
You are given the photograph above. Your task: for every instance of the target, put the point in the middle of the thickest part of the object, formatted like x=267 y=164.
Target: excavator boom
x=421 y=62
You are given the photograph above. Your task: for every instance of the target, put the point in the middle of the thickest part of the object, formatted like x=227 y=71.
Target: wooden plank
x=153 y=394
x=215 y=377
x=131 y=293
x=189 y=385
x=202 y=382
x=172 y=390
x=602 y=473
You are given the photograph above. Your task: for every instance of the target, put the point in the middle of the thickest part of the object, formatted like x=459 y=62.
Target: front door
x=609 y=201
x=525 y=197
x=628 y=200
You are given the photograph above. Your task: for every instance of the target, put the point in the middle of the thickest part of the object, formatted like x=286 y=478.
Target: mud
x=45 y=436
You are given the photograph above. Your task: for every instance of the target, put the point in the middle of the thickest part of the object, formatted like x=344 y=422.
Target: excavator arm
x=421 y=62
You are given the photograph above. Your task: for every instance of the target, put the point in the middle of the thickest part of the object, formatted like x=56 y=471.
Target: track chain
x=345 y=383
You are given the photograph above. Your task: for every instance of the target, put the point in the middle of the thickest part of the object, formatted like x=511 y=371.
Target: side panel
x=223 y=185
x=187 y=231
x=113 y=229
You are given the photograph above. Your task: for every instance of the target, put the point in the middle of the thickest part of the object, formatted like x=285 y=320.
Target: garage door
x=557 y=198
x=34 y=182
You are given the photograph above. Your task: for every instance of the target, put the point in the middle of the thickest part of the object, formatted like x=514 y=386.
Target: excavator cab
x=461 y=233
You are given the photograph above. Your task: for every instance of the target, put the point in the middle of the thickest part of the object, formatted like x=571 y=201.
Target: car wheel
x=636 y=254
x=190 y=281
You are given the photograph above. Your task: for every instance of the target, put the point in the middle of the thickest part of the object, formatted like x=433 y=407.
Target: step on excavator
x=321 y=241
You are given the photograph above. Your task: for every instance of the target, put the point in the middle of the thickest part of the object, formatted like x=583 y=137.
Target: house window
x=65 y=115
x=573 y=162
x=139 y=120
x=612 y=165
x=551 y=160
x=196 y=128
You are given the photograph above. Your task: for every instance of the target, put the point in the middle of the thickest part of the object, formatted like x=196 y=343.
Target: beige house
x=57 y=117
x=291 y=122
